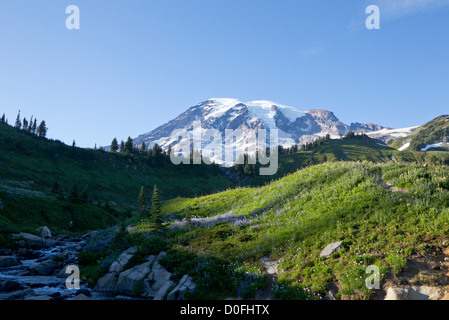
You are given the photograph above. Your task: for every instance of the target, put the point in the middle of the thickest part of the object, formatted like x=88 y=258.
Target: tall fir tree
x=18 y=123
x=114 y=145
x=41 y=131
x=143 y=148
x=156 y=213
x=141 y=200
x=25 y=124
x=122 y=147
x=34 y=126
x=30 y=124
x=129 y=146
x=3 y=119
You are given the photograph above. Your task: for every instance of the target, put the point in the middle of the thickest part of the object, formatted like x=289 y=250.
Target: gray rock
x=44 y=232
x=7 y=261
x=62 y=274
x=185 y=286
x=106 y=283
x=122 y=260
x=10 y=286
x=129 y=279
x=330 y=249
x=18 y=295
x=270 y=266
x=86 y=292
x=61 y=237
x=415 y=293
x=156 y=280
x=164 y=290
x=426 y=293
x=48 y=243
x=30 y=240
x=397 y=294
x=45 y=268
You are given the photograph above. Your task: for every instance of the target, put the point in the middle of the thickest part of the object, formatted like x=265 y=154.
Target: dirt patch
x=430 y=270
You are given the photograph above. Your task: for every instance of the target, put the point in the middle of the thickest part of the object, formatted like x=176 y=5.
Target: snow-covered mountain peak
x=294 y=126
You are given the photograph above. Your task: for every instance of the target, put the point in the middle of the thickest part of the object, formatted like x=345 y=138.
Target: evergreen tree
x=41 y=131
x=34 y=126
x=73 y=144
x=114 y=145
x=122 y=147
x=3 y=119
x=30 y=125
x=25 y=124
x=129 y=145
x=156 y=211
x=141 y=200
x=143 y=148
x=18 y=123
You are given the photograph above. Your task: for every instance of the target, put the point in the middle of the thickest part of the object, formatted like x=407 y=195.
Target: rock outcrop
x=330 y=249
x=146 y=280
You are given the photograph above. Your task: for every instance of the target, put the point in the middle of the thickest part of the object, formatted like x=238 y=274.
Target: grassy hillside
x=383 y=213
x=30 y=166
x=432 y=132
x=347 y=149
x=38 y=163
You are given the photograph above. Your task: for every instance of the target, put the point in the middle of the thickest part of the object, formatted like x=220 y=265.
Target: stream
x=35 y=286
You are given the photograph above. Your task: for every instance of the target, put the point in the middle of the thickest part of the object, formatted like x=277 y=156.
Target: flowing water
x=49 y=285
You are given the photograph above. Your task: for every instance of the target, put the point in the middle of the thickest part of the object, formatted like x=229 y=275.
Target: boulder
x=270 y=266
x=7 y=261
x=129 y=279
x=106 y=283
x=122 y=260
x=44 y=232
x=185 y=286
x=164 y=290
x=415 y=293
x=81 y=297
x=10 y=286
x=330 y=249
x=397 y=294
x=426 y=293
x=157 y=278
x=85 y=292
x=45 y=268
x=30 y=240
x=18 y=295
x=61 y=237
x=62 y=274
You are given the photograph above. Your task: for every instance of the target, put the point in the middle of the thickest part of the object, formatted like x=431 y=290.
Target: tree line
x=30 y=126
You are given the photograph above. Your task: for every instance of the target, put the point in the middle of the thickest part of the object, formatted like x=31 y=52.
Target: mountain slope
x=30 y=166
x=383 y=214
x=432 y=135
x=295 y=126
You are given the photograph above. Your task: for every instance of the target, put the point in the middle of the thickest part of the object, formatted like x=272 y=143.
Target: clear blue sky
x=136 y=64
